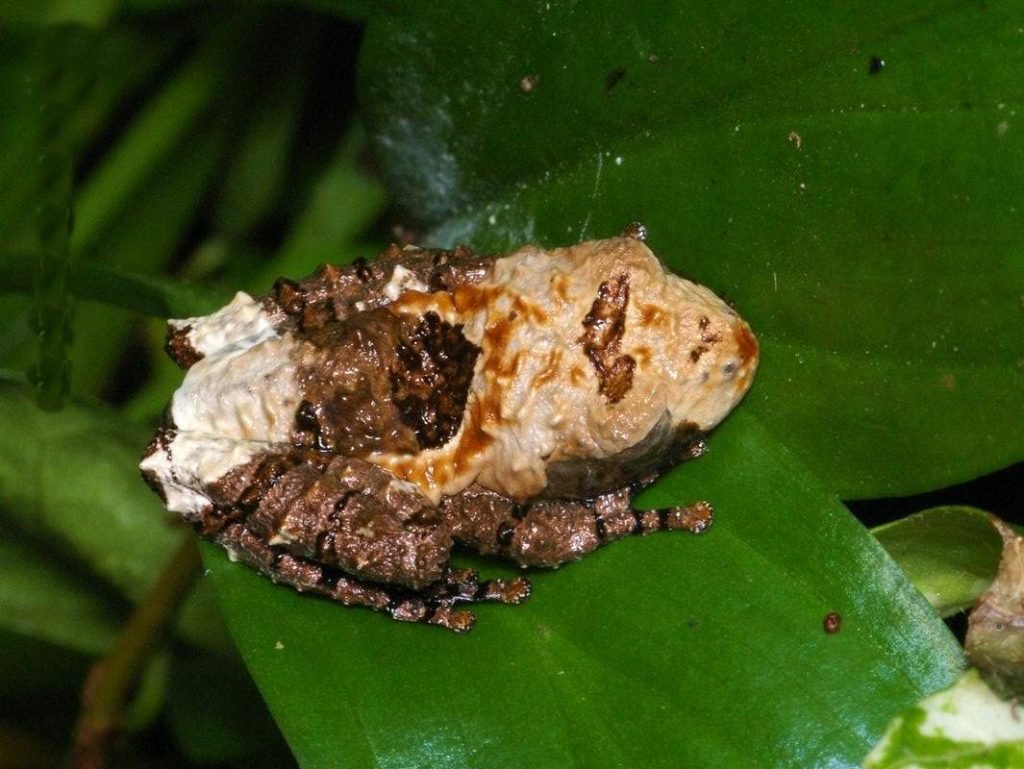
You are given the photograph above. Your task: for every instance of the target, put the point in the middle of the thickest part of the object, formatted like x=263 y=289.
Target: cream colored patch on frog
x=535 y=395
x=242 y=320
x=234 y=404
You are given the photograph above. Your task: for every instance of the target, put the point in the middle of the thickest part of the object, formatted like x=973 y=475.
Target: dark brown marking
x=306 y=417
x=437 y=281
x=363 y=271
x=635 y=230
x=289 y=296
x=266 y=475
x=430 y=379
x=180 y=349
x=613 y=78
x=603 y=328
x=506 y=531
x=325 y=544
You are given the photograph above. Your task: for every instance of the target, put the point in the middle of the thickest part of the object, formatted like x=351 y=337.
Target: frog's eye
x=430 y=379
x=729 y=369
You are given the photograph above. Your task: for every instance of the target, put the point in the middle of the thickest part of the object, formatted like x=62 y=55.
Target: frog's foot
x=464 y=586
x=434 y=605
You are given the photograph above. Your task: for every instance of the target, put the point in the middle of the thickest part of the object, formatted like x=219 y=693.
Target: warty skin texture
x=342 y=433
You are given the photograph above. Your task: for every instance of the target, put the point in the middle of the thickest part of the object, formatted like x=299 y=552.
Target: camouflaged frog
x=342 y=433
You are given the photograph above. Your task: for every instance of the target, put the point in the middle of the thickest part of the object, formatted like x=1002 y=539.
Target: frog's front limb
x=435 y=605
x=338 y=511
x=552 y=532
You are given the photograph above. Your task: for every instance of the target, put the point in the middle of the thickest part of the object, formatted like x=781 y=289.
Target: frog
x=344 y=433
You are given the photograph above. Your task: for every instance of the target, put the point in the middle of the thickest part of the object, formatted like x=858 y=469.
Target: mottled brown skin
x=604 y=327
x=319 y=517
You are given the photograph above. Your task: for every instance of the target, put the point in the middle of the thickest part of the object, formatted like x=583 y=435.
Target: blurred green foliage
x=217 y=145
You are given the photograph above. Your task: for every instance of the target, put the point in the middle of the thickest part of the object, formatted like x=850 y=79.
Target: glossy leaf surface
x=650 y=652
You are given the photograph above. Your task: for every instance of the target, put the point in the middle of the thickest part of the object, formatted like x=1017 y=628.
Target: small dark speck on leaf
x=692 y=623
x=832 y=622
x=876 y=65
x=528 y=83
x=613 y=78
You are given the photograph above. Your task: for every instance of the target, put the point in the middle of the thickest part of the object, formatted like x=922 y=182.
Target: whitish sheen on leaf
x=965 y=727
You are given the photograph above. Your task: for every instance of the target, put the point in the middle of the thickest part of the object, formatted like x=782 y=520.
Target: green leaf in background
x=342 y=203
x=848 y=175
x=71 y=481
x=41 y=599
x=672 y=650
x=149 y=294
x=950 y=553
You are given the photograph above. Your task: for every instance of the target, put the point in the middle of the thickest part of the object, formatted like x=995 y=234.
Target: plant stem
x=110 y=681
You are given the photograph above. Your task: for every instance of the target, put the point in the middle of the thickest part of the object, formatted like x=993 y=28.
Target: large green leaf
x=673 y=650
x=848 y=174
x=42 y=599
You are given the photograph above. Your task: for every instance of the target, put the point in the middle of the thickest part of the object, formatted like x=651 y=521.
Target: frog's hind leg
x=434 y=605
x=552 y=532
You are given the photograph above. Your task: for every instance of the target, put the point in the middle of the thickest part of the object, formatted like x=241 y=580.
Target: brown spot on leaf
x=613 y=78
x=832 y=622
